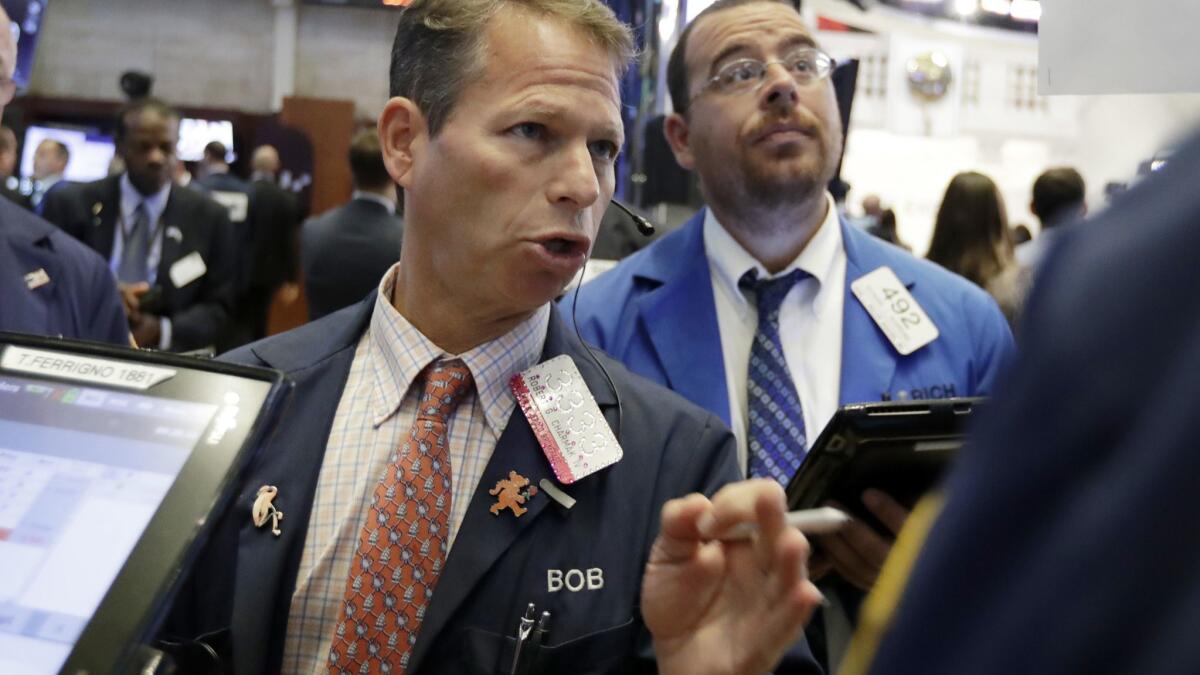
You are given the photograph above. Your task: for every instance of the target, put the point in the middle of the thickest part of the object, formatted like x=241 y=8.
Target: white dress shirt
x=810 y=321
x=389 y=204
x=376 y=411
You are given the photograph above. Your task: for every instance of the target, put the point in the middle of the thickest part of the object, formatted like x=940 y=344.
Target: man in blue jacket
x=755 y=309
x=50 y=284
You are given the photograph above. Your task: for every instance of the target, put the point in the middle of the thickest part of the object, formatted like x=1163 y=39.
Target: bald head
x=265 y=160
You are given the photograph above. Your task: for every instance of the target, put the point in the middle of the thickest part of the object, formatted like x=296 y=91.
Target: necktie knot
x=446 y=383
x=770 y=292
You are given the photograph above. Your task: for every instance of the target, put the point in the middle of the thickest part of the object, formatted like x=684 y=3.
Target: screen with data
x=82 y=471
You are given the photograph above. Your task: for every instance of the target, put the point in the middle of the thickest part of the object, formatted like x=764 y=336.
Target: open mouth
x=560 y=246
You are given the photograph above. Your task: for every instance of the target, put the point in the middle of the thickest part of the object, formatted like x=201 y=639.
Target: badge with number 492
x=895 y=310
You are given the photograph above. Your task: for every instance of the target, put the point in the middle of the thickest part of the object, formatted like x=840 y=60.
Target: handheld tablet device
x=899 y=447
x=111 y=462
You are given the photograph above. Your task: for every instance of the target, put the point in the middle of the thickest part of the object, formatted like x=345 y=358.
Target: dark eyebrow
x=725 y=54
x=733 y=49
x=798 y=40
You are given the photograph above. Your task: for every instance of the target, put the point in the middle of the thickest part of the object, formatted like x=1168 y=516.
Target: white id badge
x=895 y=310
x=565 y=418
x=187 y=269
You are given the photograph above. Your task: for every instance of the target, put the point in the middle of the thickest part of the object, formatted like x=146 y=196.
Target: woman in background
x=971 y=238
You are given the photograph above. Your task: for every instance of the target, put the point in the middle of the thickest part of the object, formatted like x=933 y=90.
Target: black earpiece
x=644 y=227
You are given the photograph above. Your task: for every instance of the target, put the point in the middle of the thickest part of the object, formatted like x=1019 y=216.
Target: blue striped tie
x=775 y=418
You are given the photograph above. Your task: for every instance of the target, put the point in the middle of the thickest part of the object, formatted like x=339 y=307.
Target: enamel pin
x=511 y=493
x=264 y=509
x=36 y=279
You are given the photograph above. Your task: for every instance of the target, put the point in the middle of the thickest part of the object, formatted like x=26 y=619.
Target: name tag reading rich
x=895 y=310
x=565 y=419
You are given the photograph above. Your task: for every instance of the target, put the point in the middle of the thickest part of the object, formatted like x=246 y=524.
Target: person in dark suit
x=169 y=246
x=273 y=247
x=8 y=164
x=227 y=189
x=346 y=250
x=50 y=161
x=50 y=284
x=1067 y=540
x=403 y=427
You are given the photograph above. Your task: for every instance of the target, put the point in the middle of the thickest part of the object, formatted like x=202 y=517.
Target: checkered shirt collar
x=398 y=352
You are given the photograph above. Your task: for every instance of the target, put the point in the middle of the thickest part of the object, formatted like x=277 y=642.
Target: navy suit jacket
x=1068 y=540
x=243 y=584
x=192 y=223
x=80 y=300
x=655 y=313
x=345 y=252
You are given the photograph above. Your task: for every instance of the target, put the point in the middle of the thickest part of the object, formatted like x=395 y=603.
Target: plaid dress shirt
x=373 y=418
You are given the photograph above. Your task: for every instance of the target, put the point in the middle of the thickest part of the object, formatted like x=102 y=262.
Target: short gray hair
x=439 y=44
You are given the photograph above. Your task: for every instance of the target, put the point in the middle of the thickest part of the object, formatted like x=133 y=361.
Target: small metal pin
x=511 y=493
x=264 y=510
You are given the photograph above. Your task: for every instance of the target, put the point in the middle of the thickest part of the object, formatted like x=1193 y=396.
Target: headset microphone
x=644 y=227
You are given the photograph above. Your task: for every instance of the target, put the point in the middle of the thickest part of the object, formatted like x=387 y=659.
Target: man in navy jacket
x=507 y=174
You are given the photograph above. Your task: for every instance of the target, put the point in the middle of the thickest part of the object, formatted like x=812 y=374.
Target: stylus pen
x=823 y=520
x=523 y=631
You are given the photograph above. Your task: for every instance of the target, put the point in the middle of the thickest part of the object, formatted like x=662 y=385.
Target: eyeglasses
x=806 y=65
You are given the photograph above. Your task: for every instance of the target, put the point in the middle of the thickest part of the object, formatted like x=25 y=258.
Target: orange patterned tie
x=402 y=546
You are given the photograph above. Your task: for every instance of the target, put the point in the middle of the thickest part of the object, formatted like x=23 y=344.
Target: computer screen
x=196 y=133
x=82 y=470
x=108 y=467
x=90 y=151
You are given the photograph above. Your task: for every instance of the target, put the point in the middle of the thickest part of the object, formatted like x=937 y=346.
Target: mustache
x=798 y=119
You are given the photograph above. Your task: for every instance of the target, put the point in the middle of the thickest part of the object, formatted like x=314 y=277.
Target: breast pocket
x=608 y=651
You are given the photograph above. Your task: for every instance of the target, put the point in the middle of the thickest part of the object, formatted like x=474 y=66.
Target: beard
x=774 y=180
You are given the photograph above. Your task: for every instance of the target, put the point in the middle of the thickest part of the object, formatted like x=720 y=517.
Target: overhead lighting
x=1026 y=10
x=995 y=6
x=966 y=7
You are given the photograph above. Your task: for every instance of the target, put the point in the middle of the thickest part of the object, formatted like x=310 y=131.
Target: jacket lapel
x=293 y=467
x=868 y=358
x=680 y=317
x=483 y=538
x=102 y=216
x=172 y=246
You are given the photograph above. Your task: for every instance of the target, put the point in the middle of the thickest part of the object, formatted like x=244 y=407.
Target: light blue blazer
x=655 y=312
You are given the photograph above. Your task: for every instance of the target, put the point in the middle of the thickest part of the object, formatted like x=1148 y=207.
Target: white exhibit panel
x=1119 y=47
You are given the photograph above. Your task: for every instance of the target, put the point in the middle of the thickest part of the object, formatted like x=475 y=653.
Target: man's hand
x=726 y=607
x=857 y=552
x=131 y=299
x=147 y=331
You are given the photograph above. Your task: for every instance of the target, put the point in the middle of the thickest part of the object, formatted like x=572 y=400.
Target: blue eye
x=604 y=150
x=531 y=130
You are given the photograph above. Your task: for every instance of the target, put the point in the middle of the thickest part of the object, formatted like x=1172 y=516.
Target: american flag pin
x=37 y=279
